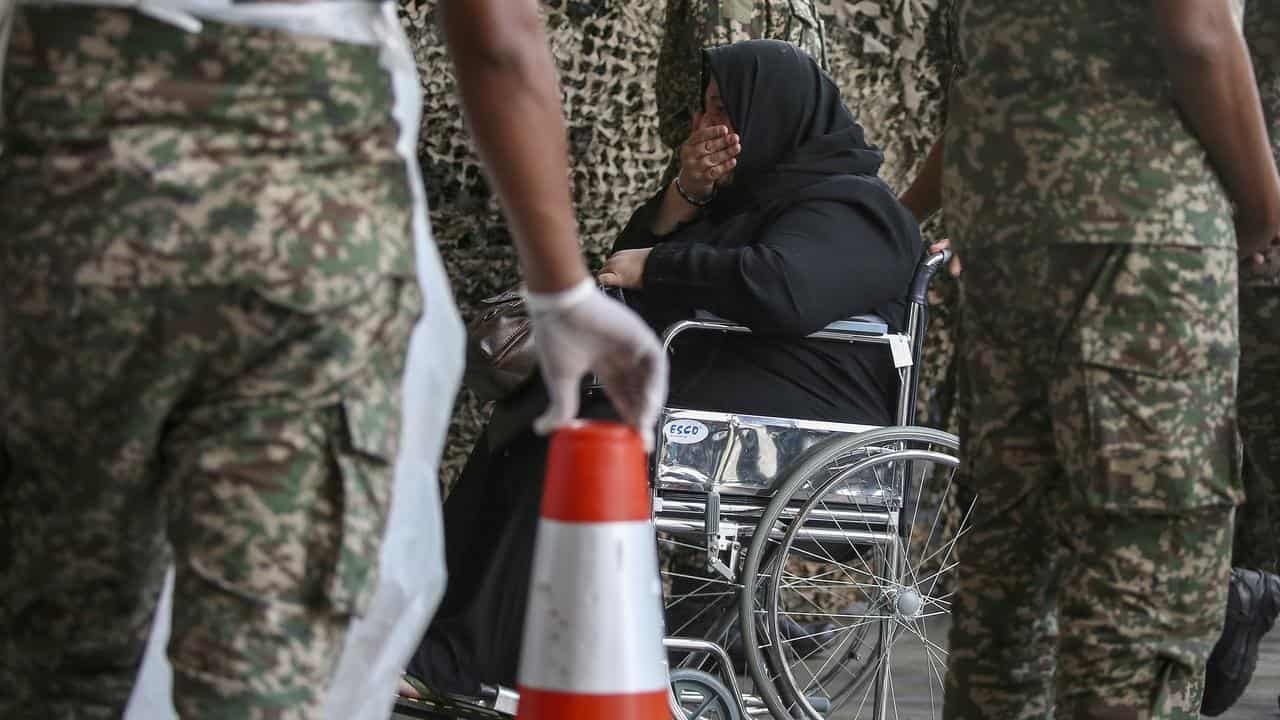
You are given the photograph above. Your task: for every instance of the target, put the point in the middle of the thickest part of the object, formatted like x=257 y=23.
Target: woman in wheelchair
x=776 y=220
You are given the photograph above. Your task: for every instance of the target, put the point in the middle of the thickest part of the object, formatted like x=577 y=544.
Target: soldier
x=1099 y=300
x=1254 y=595
x=208 y=274
x=1257 y=544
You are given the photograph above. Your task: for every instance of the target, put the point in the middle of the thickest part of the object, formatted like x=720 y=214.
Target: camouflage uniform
x=1257 y=543
x=207 y=272
x=1100 y=359
x=691 y=25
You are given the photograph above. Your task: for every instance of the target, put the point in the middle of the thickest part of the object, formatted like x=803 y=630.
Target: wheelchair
x=814 y=549
x=798 y=557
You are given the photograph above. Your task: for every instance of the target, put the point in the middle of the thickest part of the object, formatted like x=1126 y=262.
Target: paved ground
x=913 y=692
x=1258 y=703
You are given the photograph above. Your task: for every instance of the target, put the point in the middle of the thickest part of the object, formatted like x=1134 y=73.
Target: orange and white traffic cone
x=593 y=625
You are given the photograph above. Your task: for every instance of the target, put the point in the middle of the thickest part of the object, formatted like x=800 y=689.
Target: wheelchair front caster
x=701 y=696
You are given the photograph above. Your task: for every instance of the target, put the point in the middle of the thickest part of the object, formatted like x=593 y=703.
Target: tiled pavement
x=913 y=692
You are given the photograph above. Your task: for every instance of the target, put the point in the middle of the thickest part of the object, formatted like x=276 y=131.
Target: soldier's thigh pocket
x=1149 y=404
x=283 y=498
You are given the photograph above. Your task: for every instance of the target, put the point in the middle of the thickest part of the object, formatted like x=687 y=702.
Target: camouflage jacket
x=1057 y=132
x=691 y=25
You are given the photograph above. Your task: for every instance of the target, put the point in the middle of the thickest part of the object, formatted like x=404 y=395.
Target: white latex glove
x=582 y=330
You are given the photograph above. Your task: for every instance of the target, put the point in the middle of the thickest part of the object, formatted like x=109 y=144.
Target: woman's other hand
x=1255 y=243
x=708 y=156
x=624 y=269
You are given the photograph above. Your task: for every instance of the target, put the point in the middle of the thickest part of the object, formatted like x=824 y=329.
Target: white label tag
x=901 y=350
x=685 y=432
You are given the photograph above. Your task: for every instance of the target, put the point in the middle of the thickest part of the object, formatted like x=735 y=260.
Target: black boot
x=1253 y=600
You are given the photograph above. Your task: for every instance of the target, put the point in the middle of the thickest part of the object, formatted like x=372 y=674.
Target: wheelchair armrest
x=924 y=275
x=869 y=324
x=849 y=329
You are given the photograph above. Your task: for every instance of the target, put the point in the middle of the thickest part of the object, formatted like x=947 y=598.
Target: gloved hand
x=581 y=330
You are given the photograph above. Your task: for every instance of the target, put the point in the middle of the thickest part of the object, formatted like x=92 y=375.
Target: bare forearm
x=511 y=97
x=1214 y=86
x=924 y=197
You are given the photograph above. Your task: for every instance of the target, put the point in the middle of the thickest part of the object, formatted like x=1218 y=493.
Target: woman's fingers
x=720 y=144
x=708 y=155
x=724 y=168
x=722 y=156
x=707 y=133
x=709 y=140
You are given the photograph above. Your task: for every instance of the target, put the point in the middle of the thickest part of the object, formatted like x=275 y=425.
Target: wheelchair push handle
x=924 y=275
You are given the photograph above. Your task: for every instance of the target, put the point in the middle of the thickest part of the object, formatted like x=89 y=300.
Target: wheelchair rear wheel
x=855 y=550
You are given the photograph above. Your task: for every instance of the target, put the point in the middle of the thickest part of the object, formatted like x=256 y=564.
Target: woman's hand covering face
x=624 y=269
x=708 y=156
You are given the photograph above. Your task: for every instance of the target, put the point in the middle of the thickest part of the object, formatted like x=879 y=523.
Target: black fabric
x=805 y=234
x=490 y=520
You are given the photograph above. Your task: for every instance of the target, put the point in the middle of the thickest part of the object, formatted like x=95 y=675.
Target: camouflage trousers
x=253 y=440
x=1257 y=541
x=206 y=277
x=1099 y=437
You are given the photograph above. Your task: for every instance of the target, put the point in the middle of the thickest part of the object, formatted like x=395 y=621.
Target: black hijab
x=799 y=141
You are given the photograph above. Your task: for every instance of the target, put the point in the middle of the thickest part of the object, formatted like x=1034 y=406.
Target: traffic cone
x=593 y=625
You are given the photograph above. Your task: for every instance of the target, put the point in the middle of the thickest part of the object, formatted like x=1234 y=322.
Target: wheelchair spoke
x=934 y=575
x=942 y=601
x=937 y=516
x=839 y=616
x=730 y=587
x=829 y=631
x=964 y=528
x=846 y=568
x=875 y=671
x=851 y=545
x=893 y=692
x=816 y=677
x=799 y=581
x=945 y=548
x=704 y=578
x=919 y=633
x=937 y=663
x=680 y=630
x=718 y=593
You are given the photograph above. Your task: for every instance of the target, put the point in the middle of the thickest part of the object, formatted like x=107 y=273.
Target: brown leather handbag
x=500 y=355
